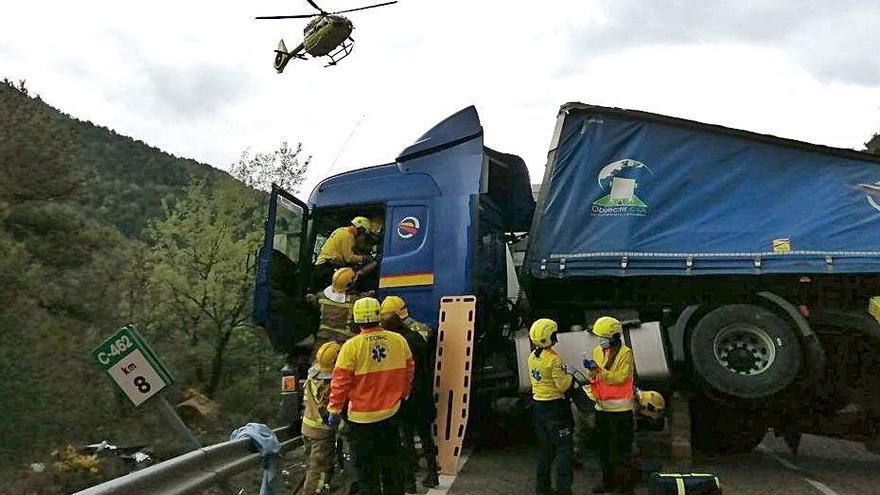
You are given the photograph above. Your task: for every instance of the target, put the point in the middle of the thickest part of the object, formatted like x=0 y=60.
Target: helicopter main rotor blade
x=301 y=16
x=364 y=8
x=313 y=4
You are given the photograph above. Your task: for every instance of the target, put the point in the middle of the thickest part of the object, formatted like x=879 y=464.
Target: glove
x=590 y=364
x=332 y=420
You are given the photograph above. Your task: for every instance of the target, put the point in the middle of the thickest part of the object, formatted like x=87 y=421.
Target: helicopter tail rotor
x=282 y=57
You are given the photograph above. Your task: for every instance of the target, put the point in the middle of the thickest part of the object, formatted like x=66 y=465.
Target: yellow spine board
x=452 y=377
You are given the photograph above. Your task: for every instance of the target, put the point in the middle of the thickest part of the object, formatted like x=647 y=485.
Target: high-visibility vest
x=614 y=397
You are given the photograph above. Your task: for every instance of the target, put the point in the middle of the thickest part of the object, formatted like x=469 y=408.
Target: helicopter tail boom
x=282 y=56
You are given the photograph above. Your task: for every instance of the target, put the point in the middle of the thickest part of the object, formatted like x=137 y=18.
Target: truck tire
x=718 y=428
x=745 y=351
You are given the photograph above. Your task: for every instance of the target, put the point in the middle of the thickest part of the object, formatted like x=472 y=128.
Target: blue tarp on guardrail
x=635 y=194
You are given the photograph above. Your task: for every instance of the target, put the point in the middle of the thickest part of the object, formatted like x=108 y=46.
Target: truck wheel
x=745 y=351
x=717 y=428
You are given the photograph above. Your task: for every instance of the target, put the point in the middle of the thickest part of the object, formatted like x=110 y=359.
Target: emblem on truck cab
x=620 y=180
x=408 y=227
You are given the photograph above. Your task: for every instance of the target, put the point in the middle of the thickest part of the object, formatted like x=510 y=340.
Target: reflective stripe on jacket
x=316 y=394
x=547 y=373
x=374 y=372
x=339 y=248
x=335 y=316
x=424 y=330
x=612 y=389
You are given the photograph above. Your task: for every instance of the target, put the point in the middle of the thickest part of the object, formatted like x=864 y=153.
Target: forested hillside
x=126 y=179
x=98 y=230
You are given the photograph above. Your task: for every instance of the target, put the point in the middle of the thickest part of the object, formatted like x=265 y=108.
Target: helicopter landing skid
x=343 y=51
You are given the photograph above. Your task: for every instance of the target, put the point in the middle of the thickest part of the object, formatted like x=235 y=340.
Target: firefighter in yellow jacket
x=611 y=387
x=552 y=411
x=338 y=250
x=319 y=436
x=373 y=375
x=335 y=303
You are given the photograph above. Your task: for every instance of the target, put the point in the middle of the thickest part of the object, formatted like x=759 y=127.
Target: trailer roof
x=577 y=107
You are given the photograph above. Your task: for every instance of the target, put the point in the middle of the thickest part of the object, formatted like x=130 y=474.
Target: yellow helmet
x=651 y=404
x=326 y=356
x=361 y=223
x=366 y=310
x=607 y=327
x=342 y=279
x=394 y=304
x=542 y=331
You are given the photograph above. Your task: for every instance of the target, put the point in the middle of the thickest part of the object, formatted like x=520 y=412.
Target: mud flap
x=452 y=377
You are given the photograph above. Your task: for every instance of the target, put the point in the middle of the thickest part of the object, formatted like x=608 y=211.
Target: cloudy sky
x=196 y=78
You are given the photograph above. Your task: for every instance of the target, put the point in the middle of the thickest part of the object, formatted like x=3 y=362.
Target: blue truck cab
x=449 y=206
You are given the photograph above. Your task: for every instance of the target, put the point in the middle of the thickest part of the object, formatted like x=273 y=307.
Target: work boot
x=410 y=485
x=432 y=480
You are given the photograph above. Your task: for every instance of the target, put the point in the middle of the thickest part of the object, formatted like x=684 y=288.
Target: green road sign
x=133 y=366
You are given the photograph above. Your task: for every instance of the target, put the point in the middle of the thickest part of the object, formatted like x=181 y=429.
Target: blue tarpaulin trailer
x=630 y=193
x=758 y=256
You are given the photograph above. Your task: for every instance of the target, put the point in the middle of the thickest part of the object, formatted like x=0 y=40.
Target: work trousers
x=421 y=427
x=553 y=427
x=615 y=435
x=378 y=456
x=320 y=463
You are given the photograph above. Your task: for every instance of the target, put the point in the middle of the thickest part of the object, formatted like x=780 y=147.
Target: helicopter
x=327 y=34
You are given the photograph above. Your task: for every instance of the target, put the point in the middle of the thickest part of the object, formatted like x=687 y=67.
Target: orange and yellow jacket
x=373 y=373
x=612 y=388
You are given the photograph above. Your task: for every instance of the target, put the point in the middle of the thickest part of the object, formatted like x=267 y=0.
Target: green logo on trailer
x=132 y=365
x=621 y=180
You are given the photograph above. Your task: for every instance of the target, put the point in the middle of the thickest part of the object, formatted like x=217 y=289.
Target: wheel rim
x=744 y=349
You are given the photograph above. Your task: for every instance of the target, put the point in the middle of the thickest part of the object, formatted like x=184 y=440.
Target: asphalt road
x=823 y=466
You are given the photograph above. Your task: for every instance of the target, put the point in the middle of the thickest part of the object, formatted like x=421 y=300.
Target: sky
x=196 y=78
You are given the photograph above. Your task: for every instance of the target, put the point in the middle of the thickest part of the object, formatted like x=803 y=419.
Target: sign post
x=139 y=375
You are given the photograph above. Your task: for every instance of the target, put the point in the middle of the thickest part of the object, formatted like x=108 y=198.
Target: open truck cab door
x=283 y=273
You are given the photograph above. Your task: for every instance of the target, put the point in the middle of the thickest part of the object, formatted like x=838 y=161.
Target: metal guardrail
x=192 y=471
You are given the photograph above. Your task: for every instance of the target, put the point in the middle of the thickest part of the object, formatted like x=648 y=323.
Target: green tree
x=203 y=267
x=873 y=144
x=285 y=166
